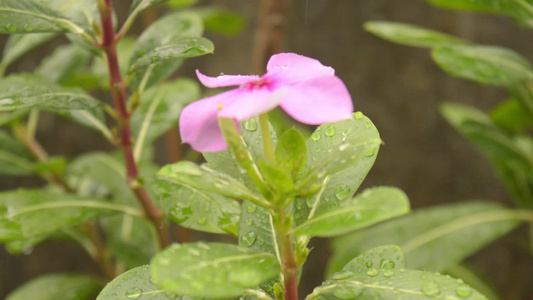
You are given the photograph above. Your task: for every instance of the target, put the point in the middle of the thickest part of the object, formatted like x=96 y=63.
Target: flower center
x=258 y=84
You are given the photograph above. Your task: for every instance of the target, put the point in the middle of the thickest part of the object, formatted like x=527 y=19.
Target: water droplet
x=372 y=272
x=310 y=201
x=431 y=288
x=134 y=293
x=387 y=264
x=28 y=28
x=251 y=208
x=180 y=213
x=388 y=273
x=347 y=292
x=11 y=28
x=368 y=125
x=331 y=130
x=369 y=264
x=370 y=153
x=249 y=222
x=202 y=221
x=360 y=260
x=260 y=242
x=124 y=277
x=250 y=125
x=171 y=295
x=154 y=59
x=358 y=115
x=316 y=136
x=342 y=191
x=248 y=239
x=463 y=291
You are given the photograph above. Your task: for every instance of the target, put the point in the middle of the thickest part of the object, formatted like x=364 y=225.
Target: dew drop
x=331 y=130
x=250 y=125
x=368 y=125
x=463 y=291
x=388 y=273
x=431 y=288
x=387 y=264
x=369 y=264
x=248 y=222
x=133 y=293
x=171 y=295
x=202 y=221
x=251 y=208
x=342 y=191
x=28 y=28
x=248 y=239
x=154 y=59
x=11 y=28
x=370 y=153
x=358 y=115
x=316 y=136
x=372 y=272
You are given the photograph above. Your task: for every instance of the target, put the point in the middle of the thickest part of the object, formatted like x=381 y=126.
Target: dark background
x=398 y=87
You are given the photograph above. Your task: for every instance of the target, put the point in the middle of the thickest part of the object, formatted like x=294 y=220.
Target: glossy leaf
x=191 y=175
x=19 y=44
x=169 y=30
x=197 y=209
x=211 y=270
x=342 y=184
x=14 y=158
x=520 y=11
x=291 y=152
x=394 y=284
x=512 y=116
x=135 y=284
x=450 y=233
x=370 y=207
x=384 y=257
x=484 y=64
x=58 y=286
x=411 y=35
x=159 y=109
x=474 y=279
x=222 y=20
x=63 y=63
x=42 y=212
x=181 y=48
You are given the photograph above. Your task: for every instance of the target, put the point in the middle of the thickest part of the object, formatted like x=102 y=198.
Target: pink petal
x=249 y=102
x=293 y=68
x=321 y=100
x=199 y=123
x=225 y=80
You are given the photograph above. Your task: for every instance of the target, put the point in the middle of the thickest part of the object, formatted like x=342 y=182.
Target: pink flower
x=304 y=88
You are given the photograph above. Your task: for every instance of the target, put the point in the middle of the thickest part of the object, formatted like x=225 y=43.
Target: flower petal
x=199 y=123
x=317 y=101
x=249 y=102
x=293 y=68
x=225 y=80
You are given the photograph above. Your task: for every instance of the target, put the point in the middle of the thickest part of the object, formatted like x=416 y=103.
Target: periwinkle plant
x=273 y=193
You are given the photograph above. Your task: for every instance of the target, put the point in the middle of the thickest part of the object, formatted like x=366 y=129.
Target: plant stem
x=289 y=265
x=267 y=138
x=118 y=88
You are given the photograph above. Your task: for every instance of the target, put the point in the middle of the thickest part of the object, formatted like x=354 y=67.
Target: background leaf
x=64 y=62
x=384 y=257
x=512 y=116
x=450 y=233
x=58 y=286
x=221 y=20
x=19 y=44
x=211 y=270
x=14 y=158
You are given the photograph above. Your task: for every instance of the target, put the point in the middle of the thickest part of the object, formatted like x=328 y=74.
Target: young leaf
x=42 y=212
x=291 y=152
x=394 y=284
x=14 y=158
x=211 y=270
x=411 y=35
x=197 y=209
x=341 y=185
x=450 y=233
x=484 y=64
x=279 y=181
x=165 y=31
x=63 y=63
x=58 y=286
x=370 y=207
x=512 y=116
x=384 y=257
x=19 y=44
x=135 y=284
x=221 y=20
x=203 y=178
x=181 y=3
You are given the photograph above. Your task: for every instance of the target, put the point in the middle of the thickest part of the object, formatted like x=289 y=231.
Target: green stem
x=267 y=138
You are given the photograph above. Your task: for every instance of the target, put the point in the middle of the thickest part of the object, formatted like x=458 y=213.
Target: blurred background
x=398 y=87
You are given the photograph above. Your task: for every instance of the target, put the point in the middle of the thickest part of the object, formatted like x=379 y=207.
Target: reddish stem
x=118 y=91
x=290 y=268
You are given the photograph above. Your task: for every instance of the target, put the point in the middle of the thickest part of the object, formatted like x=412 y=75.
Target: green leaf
x=42 y=212
x=411 y=35
x=19 y=44
x=512 y=116
x=474 y=279
x=484 y=64
x=64 y=62
x=370 y=207
x=12 y=116
x=135 y=284
x=394 y=284
x=58 y=286
x=159 y=109
x=197 y=209
x=14 y=158
x=190 y=175
x=171 y=30
x=140 y=5
x=181 y=3
x=291 y=152
x=222 y=20
x=449 y=232
x=278 y=180
x=211 y=270
x=34 y=16
x=384 y=257
x=181 y=48
x=342 y=184
x=521 y=11
x=24 y=91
